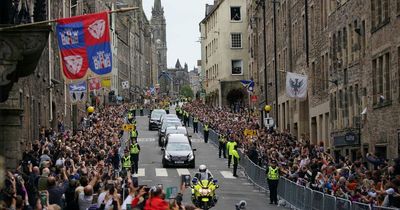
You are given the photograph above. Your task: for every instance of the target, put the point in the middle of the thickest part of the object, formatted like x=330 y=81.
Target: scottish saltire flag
x=152 y=90
x=296 y=86
x=77 y=91
x=84 y=43
x=248 y=84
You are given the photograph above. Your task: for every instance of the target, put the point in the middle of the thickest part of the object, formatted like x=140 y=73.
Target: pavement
x=231 y=189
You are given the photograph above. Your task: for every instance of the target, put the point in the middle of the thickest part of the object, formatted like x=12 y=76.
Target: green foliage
x=186 y=91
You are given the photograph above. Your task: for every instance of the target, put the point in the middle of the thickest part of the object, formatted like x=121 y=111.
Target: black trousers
x=235 y=165
x=135 y=163
x=134 y=113
x=141 y=112
x=206 y=136
x=229 y=160
x=222 y=148
x=195 y=127
x=273 y=191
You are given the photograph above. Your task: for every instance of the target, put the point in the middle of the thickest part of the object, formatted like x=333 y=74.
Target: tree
x=186 y=91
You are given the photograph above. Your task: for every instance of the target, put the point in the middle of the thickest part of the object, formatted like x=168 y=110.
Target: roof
x=177 y=137
x=212 y=10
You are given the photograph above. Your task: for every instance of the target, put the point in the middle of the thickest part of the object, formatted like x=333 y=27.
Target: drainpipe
x=50 y=64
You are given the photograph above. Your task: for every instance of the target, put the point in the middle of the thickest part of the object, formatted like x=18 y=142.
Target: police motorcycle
x=203 y=189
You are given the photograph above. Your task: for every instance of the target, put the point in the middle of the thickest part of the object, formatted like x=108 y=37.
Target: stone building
x=178 y=77
x=347 y=50
x=224 y=52
x=159 y=31
x=194 y=80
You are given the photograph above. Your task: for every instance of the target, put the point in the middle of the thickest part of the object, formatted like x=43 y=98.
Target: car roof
x=178 y=138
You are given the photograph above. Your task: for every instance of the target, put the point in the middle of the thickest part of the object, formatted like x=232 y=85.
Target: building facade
x=159 y=31
x=346 y=49
x=224 y=52
x=194 y=80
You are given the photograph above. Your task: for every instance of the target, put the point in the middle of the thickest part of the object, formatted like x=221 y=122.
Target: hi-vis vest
x=134 y=149
x=205 y=127
x=222 y=139
x=134 y=134
x=126 y=162
x=195 y=119
x=272 y=173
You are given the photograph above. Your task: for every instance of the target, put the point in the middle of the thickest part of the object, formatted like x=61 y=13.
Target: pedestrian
x=222 y=145
x=229 y=146
x=141 y=110
x=186 y=118
x=235 y=159
x=135 y=150
x=133 y=110
x=205 y=132
x=195 y=124
x=273 y=180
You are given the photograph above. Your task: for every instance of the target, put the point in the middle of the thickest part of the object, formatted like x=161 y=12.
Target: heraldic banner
x=296 y=86
x=84 y=43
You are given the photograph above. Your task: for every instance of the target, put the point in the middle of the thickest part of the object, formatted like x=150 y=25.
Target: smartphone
x=172 y=192
x=128 y=206
x=43 y=198
x=147 y=189
x=186 y=179
x=135 y=181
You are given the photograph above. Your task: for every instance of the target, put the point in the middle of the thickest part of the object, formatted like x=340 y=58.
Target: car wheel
x=164 y=165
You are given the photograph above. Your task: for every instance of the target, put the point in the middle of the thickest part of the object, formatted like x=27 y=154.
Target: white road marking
x=227 y=174
x=161 y=172
x=146 y=139
x=182 y=171
x=141 y=172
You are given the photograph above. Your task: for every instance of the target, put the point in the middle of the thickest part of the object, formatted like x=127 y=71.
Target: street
x=231 y=189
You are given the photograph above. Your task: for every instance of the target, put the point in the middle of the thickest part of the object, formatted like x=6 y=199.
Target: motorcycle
x=203 y=193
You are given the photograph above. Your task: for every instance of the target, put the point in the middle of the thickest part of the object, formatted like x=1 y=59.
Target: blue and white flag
x=77 y=91
x=248 y=84
x=152 y=90
x=296 y=86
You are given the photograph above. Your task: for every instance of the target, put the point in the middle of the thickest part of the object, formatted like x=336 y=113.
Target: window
x=237 y=67
x=381 y=78
x=380 y=13
x=236 y=40
x=235 y=14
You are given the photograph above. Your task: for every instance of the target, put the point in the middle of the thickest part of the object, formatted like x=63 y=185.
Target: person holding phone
x=141 y=197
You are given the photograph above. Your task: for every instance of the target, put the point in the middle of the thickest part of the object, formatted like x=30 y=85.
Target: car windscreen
x=171 y=123
x=172 y=146
x=177 y=131
x=157 y=114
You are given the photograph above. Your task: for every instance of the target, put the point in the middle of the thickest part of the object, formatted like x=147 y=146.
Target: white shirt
x=128 y=200
x=101 y=198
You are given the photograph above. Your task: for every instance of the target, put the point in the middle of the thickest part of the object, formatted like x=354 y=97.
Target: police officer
x=273 y=180
x=133 y=110
x=185 y=118
x=222 y=145
x=195 y=124
x=134 y=134
x=126 y=161
x=141 y=110
x=235 y=159
x=205 y=130
x=229 y=146
x=177 y=109
x=135 y=150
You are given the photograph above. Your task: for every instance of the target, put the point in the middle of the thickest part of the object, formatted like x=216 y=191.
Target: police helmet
x=202 y=168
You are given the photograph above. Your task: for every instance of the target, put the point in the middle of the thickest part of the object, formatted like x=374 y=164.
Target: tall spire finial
x=157 y=5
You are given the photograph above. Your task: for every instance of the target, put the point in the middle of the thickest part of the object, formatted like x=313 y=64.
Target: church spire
x=157 y=5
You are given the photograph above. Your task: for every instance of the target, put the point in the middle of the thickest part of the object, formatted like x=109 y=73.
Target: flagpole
x=54 y=20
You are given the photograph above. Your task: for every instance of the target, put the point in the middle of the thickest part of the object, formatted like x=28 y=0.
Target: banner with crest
x=78 y=91
x=84 y=43
x=296 y=86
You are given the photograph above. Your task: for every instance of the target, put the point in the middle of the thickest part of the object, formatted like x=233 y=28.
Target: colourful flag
x=296 y=86
x=106 y=82
x=94 y=84
x=84 y=43
x=249 y=84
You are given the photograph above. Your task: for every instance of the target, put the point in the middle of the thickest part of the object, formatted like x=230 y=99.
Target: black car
x=164 y=125
x=154 y=119
x=178 y=152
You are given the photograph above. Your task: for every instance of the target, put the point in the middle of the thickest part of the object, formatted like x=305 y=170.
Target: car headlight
x=191 y=156
x=167 y=156
x=204 y=192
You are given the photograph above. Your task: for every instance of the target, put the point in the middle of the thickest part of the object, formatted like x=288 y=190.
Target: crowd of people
x=81 y=170
x=368 y=179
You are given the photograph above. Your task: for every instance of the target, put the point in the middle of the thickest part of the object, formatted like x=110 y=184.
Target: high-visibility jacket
x=273 y=173
x=229 y=146
x=195 y=120
x=205 y=127
x=235 y=154
x=126 y=162
x=134 y=134
x=134 y=149
x=222 y=139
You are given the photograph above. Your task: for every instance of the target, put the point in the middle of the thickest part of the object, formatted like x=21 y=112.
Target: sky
x=182 y=18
